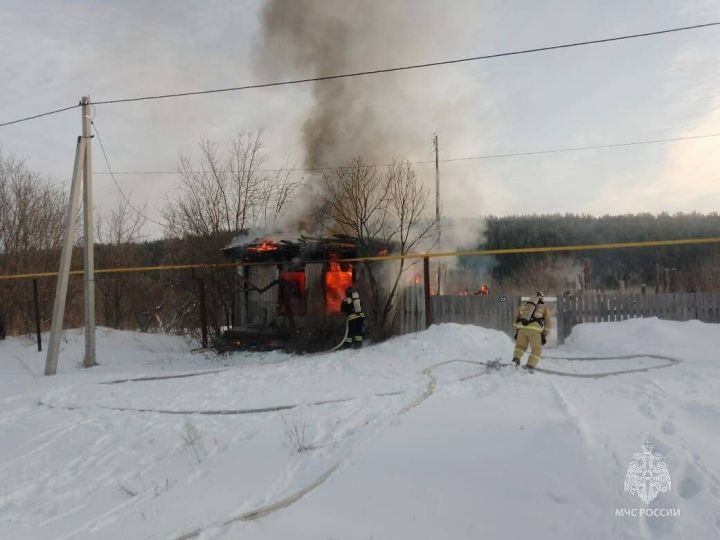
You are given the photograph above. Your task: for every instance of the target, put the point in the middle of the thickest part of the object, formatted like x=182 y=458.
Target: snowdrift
x=412 y=438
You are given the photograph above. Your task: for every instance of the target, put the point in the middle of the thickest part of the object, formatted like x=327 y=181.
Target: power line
x=48 y=113
x=117 y=185
x=409 y=67
x=581 y=148
x=449 y=160
x=376 y=71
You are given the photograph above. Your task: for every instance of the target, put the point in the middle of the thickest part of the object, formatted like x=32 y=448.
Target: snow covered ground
x=406 y=439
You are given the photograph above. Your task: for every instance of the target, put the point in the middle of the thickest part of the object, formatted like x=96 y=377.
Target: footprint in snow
x=647 y=411
x=691 y=484
x=668 y=428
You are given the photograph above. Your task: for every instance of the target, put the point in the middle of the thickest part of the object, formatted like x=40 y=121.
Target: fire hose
x=336 y=347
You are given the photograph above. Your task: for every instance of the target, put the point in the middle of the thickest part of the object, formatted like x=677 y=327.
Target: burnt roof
x=304 y=249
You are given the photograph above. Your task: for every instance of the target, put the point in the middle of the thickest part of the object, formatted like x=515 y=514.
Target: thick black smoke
x=349 y=117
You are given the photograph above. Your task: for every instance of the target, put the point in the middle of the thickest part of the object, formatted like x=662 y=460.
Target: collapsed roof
x=304 y=249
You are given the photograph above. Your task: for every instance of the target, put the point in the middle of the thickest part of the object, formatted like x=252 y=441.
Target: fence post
x=426 y=283
x=559 y=315
x=36 y=301
x=203 y=313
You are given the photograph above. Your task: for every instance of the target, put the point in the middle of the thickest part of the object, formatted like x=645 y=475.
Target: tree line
x=224 y=190
x=678 y=268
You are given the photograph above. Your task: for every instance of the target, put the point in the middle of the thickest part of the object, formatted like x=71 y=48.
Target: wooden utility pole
x=82 y=167
x=38 y=327
x=202 y=297
x=89 y=252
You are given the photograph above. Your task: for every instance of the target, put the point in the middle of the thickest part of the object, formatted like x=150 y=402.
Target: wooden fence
x=572 y=310
x=495 y=312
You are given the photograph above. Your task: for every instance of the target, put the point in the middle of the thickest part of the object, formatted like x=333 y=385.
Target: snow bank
x=690 y=340
x=489 y=454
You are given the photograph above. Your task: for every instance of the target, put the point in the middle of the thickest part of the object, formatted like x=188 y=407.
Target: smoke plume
x=378 y=117
x=348 y=117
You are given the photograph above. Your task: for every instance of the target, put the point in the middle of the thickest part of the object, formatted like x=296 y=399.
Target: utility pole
x=437 y=184
x=89 y=252
x=437 y=207
x=81 y=168
x=64 y=272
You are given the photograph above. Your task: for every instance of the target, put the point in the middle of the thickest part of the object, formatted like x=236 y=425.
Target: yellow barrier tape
x=473 y=253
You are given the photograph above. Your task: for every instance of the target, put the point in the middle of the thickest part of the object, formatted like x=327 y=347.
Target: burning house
x=289 y=292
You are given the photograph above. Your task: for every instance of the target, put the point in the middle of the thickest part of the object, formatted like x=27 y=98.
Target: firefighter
x=355 y=318
x=532 y=327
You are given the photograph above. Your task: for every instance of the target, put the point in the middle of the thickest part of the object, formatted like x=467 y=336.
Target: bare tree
x=355 y=202
x=122 y=224
x=123 y=297
x=220 y=195
x=409 y=224
x=227 y=193
x=31 y=231
x=379 y=209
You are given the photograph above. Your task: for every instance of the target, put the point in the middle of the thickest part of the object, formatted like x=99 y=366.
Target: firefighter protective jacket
x=534 y=317
x=351 y=307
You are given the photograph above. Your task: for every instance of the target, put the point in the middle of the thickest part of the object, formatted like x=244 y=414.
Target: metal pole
x=437 y=183
x=436 y=145
x=89 y=259
x=65 y=257
x=38 y=329
x=426 y=286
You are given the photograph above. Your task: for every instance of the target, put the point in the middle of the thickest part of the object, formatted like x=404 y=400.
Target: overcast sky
x=53 y=52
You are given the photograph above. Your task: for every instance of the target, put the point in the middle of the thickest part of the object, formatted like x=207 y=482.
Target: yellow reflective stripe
x=354 y=316
x=531 y=326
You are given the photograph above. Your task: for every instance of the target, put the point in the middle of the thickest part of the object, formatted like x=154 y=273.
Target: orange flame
x=337 y=280
x=265 y=245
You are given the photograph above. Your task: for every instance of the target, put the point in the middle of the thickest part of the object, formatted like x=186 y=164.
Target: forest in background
x=222 y=192
x=670 y=269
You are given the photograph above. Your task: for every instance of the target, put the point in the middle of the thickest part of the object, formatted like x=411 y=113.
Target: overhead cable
x=448 y=160
x=373 y=71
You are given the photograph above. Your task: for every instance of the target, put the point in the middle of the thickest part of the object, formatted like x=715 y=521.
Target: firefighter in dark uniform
x=355 y=318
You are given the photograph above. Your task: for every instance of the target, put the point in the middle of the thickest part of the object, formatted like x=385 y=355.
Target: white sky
x=51 y=53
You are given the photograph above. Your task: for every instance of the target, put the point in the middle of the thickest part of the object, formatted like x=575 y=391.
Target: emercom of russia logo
x=647 y=476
